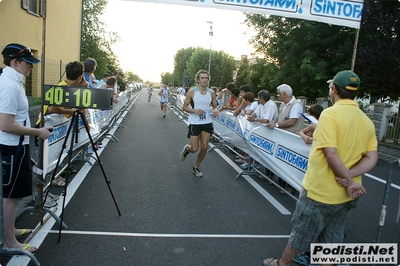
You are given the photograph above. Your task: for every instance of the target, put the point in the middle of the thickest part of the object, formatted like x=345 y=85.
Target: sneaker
x=50 y=203
x=197 y=172
x=52 y=196
x=69 y=171
x=240 y=161
x=256 y=165
x=245 y=165
x=163 y=116
x=302 y=259
x=184 y=152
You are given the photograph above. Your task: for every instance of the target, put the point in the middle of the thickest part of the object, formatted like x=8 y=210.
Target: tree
x=306 y=53
x=180 y=59
x=96 y=42
x=167 y=78
x=222 y=66
x=132 y=77
x=378 y=55
x=243 y=71
x=260 y=76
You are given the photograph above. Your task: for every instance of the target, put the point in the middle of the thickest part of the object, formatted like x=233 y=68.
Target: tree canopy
x=97 y=42
x=305 y=54
x=190 y=60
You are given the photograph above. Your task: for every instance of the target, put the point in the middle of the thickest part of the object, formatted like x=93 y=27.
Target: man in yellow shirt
x=344 y=148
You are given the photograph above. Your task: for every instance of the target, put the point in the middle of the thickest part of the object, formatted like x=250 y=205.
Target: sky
x=151 y=34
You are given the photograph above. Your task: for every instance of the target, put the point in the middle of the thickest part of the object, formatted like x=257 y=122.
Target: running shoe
x=240 y=160
x=197 y=172
x=302 y=259
x=245 y=165
x=50 y=203
x=52 y=196
x=184 y=152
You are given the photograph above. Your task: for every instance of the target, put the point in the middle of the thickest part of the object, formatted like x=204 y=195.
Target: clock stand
x=73 y=128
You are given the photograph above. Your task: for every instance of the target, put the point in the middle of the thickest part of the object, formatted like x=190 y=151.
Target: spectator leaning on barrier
x=290 y=110
x=236 y=100
x=229 y=88
x=15 y=129
x=242 y=91
x=103 y=79
x=74 y=77
x=289 y=117
x=249 y=105
x=307 y=133
x=266 y=110
x=110 y=86
x=344 y=148
x=90 y=65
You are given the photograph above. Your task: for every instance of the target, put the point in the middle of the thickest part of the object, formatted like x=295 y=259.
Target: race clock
x=77 y=97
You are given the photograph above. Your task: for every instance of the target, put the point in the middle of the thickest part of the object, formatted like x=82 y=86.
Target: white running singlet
x=202 y=102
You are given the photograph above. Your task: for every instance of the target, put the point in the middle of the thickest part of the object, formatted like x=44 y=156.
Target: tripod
x=73 y=127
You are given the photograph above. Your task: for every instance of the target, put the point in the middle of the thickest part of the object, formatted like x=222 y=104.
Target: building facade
x=52 y=29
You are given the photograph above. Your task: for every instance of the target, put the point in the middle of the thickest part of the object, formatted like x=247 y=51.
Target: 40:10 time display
x=57 y=96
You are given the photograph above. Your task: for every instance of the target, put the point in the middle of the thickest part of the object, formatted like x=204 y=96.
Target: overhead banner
x=337 y=12
x=282 y=152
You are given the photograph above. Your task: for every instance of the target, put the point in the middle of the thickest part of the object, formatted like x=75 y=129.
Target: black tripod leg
x=72 y=127
x=100 y=163
x=64 y=146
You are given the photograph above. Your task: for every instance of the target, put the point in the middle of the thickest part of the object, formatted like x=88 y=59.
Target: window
x=34 y=7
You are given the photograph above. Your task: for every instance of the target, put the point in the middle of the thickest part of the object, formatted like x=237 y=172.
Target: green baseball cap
x=346 y=79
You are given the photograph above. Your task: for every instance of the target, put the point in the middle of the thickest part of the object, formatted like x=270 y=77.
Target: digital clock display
x=77 y=97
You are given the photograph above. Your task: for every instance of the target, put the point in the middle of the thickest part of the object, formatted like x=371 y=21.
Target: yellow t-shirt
x=344 y=127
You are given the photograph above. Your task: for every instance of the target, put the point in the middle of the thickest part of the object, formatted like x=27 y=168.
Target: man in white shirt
x=266 y=111
x=289 y=117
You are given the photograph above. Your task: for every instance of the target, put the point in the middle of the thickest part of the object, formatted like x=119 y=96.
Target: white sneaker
x=245 y=165
x=53 y=197
x=240 y=161
x=50 y=203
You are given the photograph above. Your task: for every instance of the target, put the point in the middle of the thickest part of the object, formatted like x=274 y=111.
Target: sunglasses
x=26 y=49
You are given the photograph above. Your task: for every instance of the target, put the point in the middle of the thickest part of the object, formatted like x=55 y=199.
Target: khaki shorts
x=316 y=222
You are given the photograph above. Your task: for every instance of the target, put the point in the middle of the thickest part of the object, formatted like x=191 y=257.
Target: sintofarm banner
x=337 y=12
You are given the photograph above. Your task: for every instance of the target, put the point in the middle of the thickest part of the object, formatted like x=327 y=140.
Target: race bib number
x=204 y=117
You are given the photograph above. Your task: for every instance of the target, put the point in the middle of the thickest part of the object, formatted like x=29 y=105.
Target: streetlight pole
x=210 y=33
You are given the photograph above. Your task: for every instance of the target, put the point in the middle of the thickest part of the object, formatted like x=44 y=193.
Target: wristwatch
x=276 y=125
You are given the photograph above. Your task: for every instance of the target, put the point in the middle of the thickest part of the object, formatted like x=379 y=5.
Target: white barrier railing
x=282 y=152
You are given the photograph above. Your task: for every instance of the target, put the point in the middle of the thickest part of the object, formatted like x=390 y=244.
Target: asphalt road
x=169 y=216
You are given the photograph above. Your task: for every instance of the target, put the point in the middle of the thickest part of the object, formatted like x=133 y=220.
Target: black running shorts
x=195 y=130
